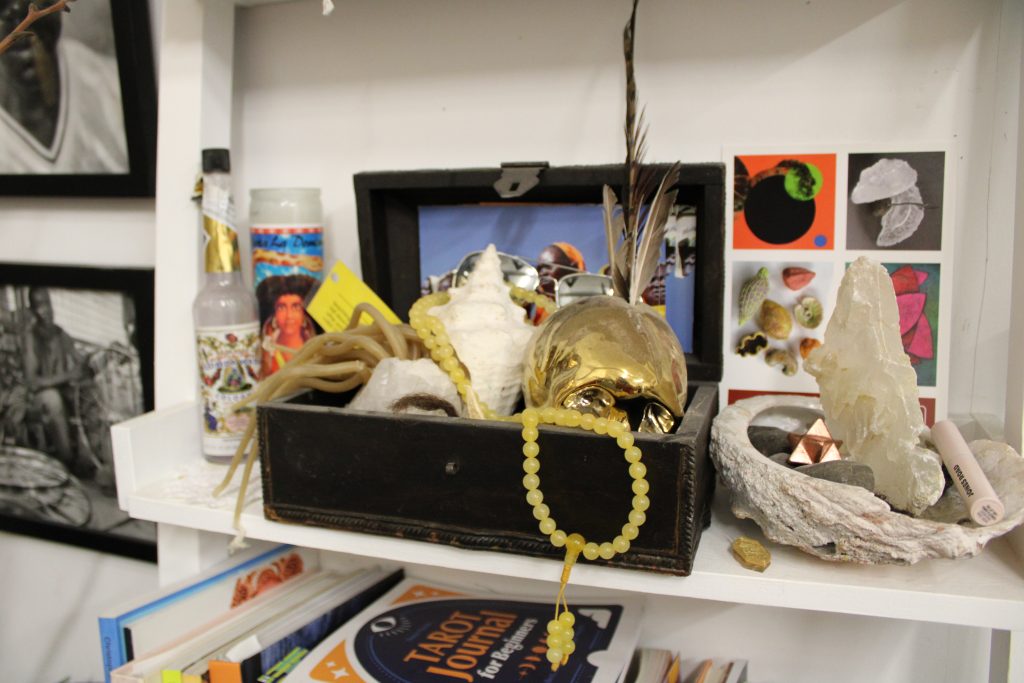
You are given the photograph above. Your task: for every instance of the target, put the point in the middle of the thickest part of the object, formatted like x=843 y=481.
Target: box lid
x=393 y=208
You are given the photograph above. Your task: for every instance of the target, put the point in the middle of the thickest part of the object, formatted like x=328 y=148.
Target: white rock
x=839 y=522
x=869 y=390
x=883 y=179
x=394 y=379
x=489 y=333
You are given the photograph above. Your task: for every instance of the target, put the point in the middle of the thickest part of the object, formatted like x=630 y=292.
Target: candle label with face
x=228 y=371
x=287 y=266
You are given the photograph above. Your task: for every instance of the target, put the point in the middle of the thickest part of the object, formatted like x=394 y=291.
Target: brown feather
x=649 y=249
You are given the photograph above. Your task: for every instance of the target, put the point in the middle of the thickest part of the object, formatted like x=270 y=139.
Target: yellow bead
x=441 y=339
x=535 y=498
x=423 y=333
x=429 y=343
x=568 y=633
x=547 y=414
x=606 y=551
x=620 y=544
x=641 y=487
x=616 y=429
x=640 y=503
x=625 y=440
x=554 y=655
x=530 y=433
x=463 y=388
x=567 y=619
x=573 y=418
x=590 y=551
x=541 y=511
x=637 y=518
x=530 y=417
x=449 y=364
x=560 y=417
x=630 y=531
x=555 y=628
x=601 y=425
x=531 y=481
x=446 y=351
x=569 y=648
x=457 y=375
x=575 y=543
x=587 y=421
x=632 y=454
x=547 y=526
x=558 y=538
x=555 y=641
x=637 y=470
x=531 y=465
x=531 y=449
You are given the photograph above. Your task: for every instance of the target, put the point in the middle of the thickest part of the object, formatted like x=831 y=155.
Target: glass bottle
x=286 y=227
x=226 y=323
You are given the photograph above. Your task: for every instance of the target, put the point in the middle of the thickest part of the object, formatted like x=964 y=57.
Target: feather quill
x=634 y=262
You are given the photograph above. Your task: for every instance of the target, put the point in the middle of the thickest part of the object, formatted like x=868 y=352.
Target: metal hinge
x=518 y=178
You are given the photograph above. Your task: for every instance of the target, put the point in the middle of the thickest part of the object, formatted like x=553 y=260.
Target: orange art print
x=784 y=201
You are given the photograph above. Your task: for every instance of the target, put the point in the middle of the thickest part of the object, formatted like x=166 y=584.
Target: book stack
x=651 y=665
x=364 y=627
x=247 y=620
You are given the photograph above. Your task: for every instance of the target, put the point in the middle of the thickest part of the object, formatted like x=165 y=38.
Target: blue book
x=146 y=623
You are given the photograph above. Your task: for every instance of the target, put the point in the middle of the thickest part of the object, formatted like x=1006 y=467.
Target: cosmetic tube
x=982 y=502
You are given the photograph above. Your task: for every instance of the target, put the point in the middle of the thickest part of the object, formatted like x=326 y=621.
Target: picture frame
x=389 y=206
x=96 y=137
x=76 y=356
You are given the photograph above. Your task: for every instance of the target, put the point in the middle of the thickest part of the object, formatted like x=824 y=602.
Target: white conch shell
x=489 y=333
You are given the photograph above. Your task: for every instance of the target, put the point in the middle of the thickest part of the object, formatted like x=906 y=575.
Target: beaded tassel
x=560 y=629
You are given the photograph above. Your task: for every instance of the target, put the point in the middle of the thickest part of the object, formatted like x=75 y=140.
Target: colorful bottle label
x=287 y=250
x=288 y=263
x=229 y=367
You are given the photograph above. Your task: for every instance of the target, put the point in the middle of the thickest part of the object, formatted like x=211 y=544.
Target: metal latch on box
x=518 y=178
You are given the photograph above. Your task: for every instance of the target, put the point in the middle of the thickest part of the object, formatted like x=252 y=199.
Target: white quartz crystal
x=846 y=523
x=394 y=379
x=883 y=179
x=869 y=390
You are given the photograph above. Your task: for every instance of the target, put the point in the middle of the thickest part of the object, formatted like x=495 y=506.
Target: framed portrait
x=78 y=102
x=76 y=356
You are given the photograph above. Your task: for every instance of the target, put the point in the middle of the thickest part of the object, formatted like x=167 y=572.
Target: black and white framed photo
x=78 y=101
x=76 y=356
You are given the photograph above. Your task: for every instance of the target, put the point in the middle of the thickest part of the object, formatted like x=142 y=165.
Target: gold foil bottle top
x=222 y=254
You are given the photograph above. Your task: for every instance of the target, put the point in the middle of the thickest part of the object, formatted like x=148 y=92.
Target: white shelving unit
x=849 y=617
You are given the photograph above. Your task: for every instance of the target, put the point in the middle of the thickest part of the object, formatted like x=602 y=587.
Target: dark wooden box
x=458 y=481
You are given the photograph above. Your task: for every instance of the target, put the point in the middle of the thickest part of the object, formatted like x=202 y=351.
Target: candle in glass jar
x=286 y=227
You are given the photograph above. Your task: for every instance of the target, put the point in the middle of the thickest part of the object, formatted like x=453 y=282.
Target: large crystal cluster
x=869 y=390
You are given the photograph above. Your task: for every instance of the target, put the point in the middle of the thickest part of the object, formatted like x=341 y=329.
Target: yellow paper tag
x=339 y=295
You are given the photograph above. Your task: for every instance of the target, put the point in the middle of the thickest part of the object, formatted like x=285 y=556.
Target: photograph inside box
x=559 y=240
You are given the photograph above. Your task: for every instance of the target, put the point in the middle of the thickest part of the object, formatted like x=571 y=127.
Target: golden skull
x=609 y=358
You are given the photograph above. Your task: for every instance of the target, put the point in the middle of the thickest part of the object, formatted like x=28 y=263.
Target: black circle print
x=774 y=216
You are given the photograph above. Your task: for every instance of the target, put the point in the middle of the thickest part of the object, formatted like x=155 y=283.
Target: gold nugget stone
x=751 y=554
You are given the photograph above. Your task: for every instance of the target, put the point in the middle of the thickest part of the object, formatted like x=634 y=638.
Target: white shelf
x=162 y=478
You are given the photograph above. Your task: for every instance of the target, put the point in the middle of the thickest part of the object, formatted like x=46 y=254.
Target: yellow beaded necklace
x=559 y=630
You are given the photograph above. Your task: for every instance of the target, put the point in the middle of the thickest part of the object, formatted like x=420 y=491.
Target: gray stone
x=781 y=458
x=769 y=440
x=841 y=472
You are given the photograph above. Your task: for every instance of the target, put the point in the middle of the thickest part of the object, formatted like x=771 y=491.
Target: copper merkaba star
x=817 y=445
